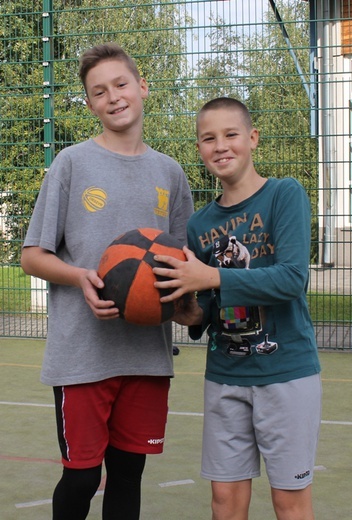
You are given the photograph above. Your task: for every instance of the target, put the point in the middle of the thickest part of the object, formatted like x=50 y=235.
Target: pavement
x=329 y=335
x=334 y=280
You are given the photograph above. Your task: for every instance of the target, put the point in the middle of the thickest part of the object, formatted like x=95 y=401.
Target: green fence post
x=48 y=83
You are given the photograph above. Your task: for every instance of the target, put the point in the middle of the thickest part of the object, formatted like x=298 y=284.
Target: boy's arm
x=284 y=280
x=44 y=264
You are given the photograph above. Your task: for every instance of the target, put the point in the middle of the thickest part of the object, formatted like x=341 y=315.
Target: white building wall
x=334 y=78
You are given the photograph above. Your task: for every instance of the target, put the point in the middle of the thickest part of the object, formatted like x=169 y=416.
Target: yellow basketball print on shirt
x=94 y=199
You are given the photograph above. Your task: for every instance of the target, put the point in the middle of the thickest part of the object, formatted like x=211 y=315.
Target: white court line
x=344 y=423
x=36 y=503
x=43 y=502
x=28 y=404
x=177 y=483
x=33 y=504
x=191 y=414
x=194 y=414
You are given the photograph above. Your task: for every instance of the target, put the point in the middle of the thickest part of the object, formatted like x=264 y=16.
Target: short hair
x=105 y=51
x=229 y=103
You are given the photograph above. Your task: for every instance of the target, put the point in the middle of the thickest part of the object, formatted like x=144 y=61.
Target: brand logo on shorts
x=299 y=476
x=156 y=441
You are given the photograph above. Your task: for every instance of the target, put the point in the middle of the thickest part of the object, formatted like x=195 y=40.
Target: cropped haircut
x=105 y=51
x=230 y=104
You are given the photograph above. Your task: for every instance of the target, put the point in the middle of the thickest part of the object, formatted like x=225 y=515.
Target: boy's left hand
x=188 y=312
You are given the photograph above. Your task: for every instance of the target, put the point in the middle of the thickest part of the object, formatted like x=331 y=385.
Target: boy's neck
x=234 y=194
x=124 y=145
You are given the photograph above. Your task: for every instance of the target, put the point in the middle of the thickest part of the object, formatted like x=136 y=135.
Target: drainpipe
x=328 y=147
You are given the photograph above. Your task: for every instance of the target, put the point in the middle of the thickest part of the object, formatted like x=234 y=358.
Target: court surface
x=172 y=487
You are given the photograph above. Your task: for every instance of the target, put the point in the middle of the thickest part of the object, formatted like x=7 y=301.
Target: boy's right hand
x=44 y=264
x=102 y=309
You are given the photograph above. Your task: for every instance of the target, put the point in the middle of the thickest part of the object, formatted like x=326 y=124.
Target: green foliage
x=259 y=70
x=256 y=68
x=138 y=27
x=14 y=290
x=278 y=100
x=21 y=123
x=330 y=308
x=281 y=107
x=219 y=70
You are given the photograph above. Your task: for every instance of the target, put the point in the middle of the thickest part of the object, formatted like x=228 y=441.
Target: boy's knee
x=231 y=499
x=82 y=481
x=293 y=504
x=124 y=465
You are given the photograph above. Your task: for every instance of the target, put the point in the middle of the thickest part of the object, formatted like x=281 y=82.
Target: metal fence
x=289 y=61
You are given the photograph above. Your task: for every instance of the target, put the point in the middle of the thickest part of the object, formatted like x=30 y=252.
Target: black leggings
x=122 y=496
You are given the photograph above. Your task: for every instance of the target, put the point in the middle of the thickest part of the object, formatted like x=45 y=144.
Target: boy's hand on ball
x=185 y=277
x=102 y=309
x=126 y=269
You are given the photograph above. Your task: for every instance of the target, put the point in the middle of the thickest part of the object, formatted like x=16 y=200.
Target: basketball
x=126 y=270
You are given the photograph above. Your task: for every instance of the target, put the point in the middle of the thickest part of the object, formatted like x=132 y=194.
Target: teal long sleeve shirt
x=274 y=226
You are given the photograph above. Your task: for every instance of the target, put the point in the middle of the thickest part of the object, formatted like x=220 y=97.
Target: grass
x=15 y=294
x=15 y=290
x=330 y=308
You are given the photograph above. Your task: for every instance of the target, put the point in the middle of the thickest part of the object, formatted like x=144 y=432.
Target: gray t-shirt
x=90 y=196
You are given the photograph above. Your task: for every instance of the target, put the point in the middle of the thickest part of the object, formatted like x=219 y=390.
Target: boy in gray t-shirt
x=101 y=367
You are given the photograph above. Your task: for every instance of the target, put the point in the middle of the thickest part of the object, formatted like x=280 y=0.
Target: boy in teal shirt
x=248 y=260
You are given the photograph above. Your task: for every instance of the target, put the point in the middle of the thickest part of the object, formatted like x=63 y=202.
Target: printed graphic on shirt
x=255 y=236
x=230 y=253
x=94 y=199
x=163 y=202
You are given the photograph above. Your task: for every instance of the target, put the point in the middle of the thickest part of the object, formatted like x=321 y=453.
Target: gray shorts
x=279 y=422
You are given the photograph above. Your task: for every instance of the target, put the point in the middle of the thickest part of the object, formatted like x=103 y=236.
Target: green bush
x=15 y=290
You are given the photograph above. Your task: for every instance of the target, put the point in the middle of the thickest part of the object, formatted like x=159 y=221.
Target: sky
x=242 y=13
x=233 y=11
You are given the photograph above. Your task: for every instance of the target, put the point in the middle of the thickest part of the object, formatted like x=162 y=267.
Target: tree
x=280 y=105
x=141 y=28
x=21 y=120
x=258 y=69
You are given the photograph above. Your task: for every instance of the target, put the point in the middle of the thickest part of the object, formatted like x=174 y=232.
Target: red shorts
x=127 y=412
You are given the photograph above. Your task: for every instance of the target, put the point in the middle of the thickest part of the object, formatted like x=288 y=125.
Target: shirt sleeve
x=287 y=278
x=47 y=224
x=182 y=209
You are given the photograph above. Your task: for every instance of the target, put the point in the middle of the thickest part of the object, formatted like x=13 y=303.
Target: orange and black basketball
x=126 y=270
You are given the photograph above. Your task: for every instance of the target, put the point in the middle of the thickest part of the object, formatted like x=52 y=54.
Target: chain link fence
x=289 y=61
